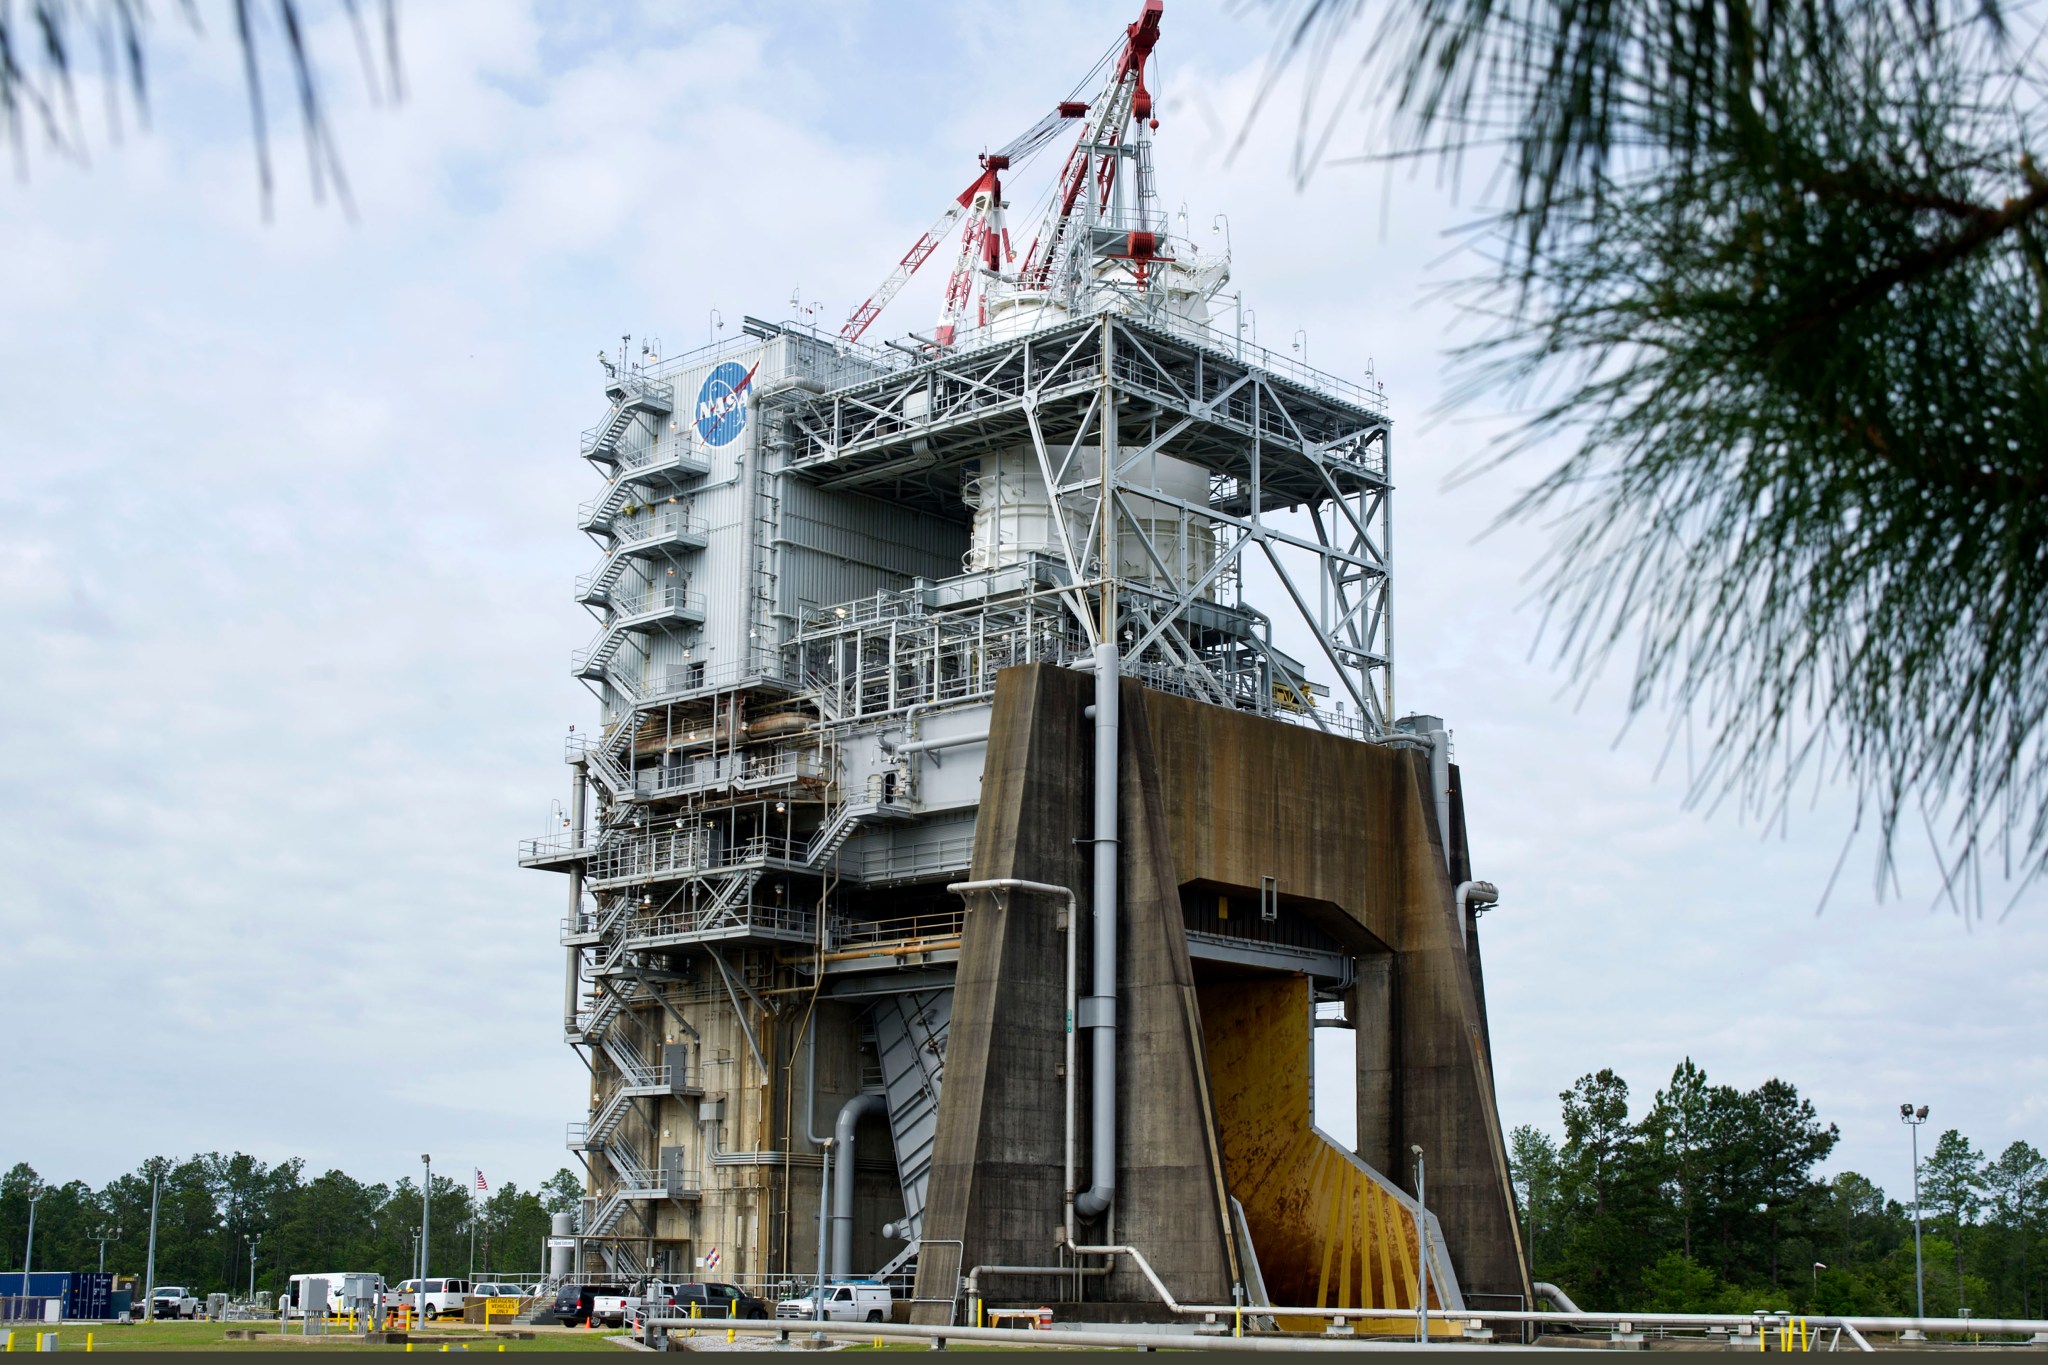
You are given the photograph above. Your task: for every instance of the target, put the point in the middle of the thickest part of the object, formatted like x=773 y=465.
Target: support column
x=1374 y=1012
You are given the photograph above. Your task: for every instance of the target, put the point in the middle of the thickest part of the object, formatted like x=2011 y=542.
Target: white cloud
x=285 y=549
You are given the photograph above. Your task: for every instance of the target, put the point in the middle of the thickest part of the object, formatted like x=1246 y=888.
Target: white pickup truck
x=174 y=1301
x=845 y=1301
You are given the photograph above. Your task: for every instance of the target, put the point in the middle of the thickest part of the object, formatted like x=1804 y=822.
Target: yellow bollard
x=731 y=1335
x=88 y=1341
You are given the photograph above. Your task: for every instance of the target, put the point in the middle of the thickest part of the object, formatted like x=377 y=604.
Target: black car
x=574 y=1302
x=718 y=1301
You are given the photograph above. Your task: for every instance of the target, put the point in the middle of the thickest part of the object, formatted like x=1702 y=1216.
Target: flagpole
x=475 y=1176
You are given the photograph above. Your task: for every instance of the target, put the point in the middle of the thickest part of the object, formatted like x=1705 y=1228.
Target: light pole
x=28 y=1257
x=426 y=1226
x=103 y=1236
x=156 y=1177
x=252 y=1238
x=1818 y=1266
x=1421 y=1253
x=1913 y=1118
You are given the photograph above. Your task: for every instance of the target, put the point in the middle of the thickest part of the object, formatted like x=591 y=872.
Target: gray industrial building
x=977 y=611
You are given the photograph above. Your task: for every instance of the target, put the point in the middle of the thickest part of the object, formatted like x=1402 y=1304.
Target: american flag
x=481 y=1183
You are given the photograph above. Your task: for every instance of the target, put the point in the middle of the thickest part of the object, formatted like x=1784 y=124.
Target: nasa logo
x=722 y=402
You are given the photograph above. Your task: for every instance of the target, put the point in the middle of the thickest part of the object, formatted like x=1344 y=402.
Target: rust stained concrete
x=1349 y=830
x=1219 y=798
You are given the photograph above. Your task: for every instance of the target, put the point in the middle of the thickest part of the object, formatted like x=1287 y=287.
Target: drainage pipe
x=1100 y=1011
x=1555 y=1295
x=850 y=1114
x=824 y=1145
x=1471 y=894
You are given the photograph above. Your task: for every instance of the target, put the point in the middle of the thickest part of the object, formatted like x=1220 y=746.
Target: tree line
x=212 y=1210
x=1710 y=1202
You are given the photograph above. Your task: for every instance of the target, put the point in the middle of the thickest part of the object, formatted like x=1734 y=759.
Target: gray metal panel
x=910 y=1035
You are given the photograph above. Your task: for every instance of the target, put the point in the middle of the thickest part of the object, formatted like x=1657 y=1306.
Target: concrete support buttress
x=1373 y=1017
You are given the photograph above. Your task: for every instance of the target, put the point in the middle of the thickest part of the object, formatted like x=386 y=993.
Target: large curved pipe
x=850 y=1115
x=1472 y=894
x=1102 y=1003
x=1555 y=1295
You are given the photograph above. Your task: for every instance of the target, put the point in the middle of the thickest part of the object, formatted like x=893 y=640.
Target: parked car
x=707 y=1301
x=174 y=1301
x=493 y=1289
x=430 y=1298
x=845 y=1301
x=575 y=1303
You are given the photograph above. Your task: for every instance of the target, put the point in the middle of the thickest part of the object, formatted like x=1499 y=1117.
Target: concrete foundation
x=1309 y=839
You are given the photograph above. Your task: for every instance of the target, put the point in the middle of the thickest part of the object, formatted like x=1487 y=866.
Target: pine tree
x=1776 y=276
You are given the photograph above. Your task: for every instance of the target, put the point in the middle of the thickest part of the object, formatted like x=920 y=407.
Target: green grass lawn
x=212 y=1336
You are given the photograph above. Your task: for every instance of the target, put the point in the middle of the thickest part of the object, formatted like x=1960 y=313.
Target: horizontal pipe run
x=919 y=746
x=1058 y=1339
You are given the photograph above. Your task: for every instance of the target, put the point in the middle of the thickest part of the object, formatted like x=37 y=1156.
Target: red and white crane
x=984 y=240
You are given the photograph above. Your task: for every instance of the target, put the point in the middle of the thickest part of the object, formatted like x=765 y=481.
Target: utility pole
x=426 y=1224
x=1913 y=1118
x=156 y=1177
x=252 y=1238
x=103 y=1236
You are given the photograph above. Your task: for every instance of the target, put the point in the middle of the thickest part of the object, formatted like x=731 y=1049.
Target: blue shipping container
x=92 y=1293
x=48 y=1284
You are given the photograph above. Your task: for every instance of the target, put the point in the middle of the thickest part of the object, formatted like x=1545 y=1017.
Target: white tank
x=1014 y=516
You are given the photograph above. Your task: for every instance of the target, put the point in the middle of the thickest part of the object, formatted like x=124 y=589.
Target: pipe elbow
x=1094 y=1201
x=850 y=1115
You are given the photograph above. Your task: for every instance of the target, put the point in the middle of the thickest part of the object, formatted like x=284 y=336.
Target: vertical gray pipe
x=824 y=1145
x=1440 y=784
x=1102 y=1003
x=571 y=986
x=850 y=1114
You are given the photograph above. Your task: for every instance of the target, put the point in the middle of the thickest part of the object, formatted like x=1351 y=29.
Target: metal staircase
x=631 y=395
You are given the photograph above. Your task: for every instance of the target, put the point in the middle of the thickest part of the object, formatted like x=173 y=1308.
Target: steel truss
x=1298 y=474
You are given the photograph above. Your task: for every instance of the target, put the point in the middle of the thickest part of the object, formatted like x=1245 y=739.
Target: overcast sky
x=287 y=545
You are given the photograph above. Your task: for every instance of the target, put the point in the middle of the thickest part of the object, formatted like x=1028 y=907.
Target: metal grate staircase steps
x=596 y=659
x=600 y=514
x=832 y=835
x=597 y=585
x=637 y=1073
x=606 y=1120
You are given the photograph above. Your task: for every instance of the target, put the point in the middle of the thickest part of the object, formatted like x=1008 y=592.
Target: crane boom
x=920 y=251
x=1123 y=98
x=983 y=236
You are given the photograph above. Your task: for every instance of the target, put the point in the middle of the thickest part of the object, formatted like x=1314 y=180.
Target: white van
x=430 y=1298
x=845 y=1301
x=337 y=1283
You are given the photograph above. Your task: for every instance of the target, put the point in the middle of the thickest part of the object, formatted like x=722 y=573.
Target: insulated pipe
x=850 y=1114
x=1471 y=894
x=572 y=985
x=824 y=1145
x=1102 y=1002
x=1440 y=786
